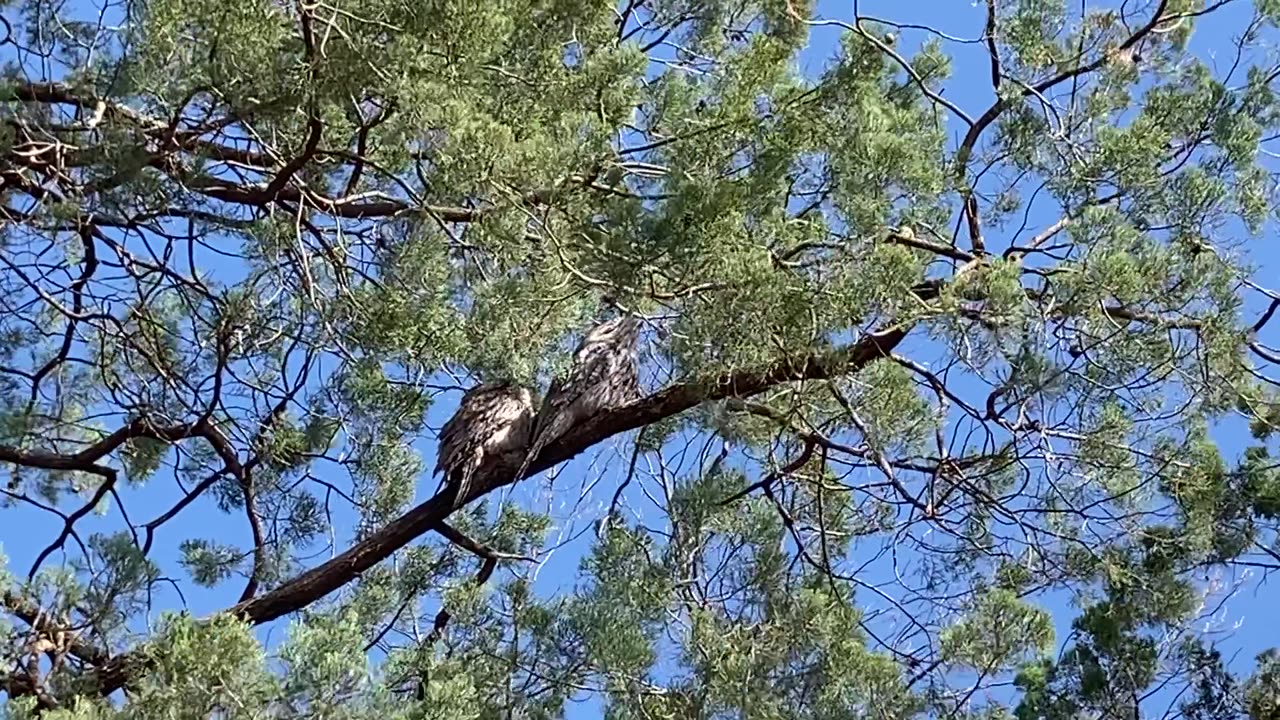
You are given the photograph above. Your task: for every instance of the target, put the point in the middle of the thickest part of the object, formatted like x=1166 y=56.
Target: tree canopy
x=961 y=389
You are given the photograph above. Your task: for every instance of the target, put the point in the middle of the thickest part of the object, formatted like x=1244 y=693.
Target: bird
x=603 y=375
x=492 y=419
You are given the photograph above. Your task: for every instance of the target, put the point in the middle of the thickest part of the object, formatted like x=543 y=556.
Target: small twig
x=766 y=483
x=490 y=559
x=631 y=473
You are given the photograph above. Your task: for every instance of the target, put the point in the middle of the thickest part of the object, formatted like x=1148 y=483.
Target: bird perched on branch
x=603 y=376
x=492 y=419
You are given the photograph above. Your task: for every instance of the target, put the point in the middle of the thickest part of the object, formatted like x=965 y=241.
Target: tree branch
x=323 y=579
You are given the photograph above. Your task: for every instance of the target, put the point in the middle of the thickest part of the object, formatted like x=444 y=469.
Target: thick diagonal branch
x=324 y=579
x=318 y=582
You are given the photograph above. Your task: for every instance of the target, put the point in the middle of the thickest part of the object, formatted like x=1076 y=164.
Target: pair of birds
x=497 y=418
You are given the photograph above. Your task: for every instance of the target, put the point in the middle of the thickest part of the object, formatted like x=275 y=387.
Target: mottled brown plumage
x=492 y=419
x=603 y=376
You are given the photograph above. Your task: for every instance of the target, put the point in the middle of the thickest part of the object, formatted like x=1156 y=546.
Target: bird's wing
x=491 y=419
x=458 y=432
x=462 y=482
x=508 y=424
x=547 y=424
x=447 y=445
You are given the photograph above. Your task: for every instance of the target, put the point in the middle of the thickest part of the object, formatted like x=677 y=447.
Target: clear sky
x=1244 y=625
x=582 y=488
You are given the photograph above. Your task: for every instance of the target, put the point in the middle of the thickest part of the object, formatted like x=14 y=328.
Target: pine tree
x=946 y=374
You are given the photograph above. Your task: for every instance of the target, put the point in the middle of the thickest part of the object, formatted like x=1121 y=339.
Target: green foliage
x=1262 y=692
x=996 y=631
x=943 y=361
x=321 y=673
x=142 y=457
x=207 y=562
x=1215 y=689
x=187 y=656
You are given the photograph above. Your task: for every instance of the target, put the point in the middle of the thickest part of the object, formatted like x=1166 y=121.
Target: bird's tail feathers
x=529 y=457
x=538 y=435
x=463 y=486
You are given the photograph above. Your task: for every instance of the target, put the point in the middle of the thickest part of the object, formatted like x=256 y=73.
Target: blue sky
x=583 y=487
x=1243 y=625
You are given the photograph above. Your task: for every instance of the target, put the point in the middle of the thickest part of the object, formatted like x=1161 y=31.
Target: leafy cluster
x=961 y=386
